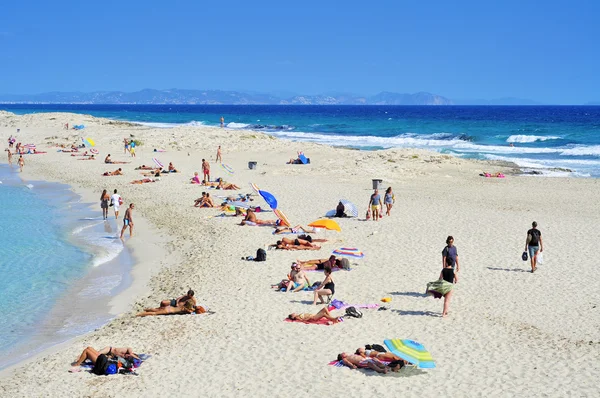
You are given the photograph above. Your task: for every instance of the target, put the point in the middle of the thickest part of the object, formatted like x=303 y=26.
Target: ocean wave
x=193 y=123
x=263 y=127
x=80 y=229
x=530 y=138
x=403 y=140
x=583 y=150
x=580 y=166
x=234 y=125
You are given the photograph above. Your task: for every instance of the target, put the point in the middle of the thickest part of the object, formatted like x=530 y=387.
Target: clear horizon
x=460 y=50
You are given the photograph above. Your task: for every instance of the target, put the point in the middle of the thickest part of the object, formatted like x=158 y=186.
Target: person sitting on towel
x=251 y=217
x=340 y=210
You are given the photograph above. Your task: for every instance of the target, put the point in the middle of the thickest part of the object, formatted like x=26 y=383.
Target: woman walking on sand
x=9 y=157
x=21 y=162
x=104 y=199
x=389 y=200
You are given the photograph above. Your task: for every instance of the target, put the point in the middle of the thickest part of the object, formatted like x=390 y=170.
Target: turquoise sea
x=60 y=263
x=541 y=138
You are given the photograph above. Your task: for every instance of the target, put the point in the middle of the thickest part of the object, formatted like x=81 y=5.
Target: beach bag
x=353 y=312
x=540 y=258
x=261 y=255
x=120 y=201
x=101 y=365
x=111 y=369
x=524 y=256
x=375 y=347
x=345 y=263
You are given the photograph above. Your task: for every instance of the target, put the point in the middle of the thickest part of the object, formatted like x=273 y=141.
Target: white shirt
x=115 y=199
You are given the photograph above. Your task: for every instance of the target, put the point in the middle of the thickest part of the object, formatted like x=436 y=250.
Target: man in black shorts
x=534 y=245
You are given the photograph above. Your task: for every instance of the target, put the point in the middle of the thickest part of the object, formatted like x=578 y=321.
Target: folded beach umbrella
x=254 y=187
x=157 y=162
x=94 y=151
x=270 y=199
x=350 y=207
x=411 y=351
x=282 y=217
x=227 y=168
x=89 y=142
x=327 y=224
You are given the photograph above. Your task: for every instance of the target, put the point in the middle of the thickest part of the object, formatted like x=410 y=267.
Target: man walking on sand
x=128 y=221
x=206 y=170
x=534 y=244
x=116 y=201
x=375 y=205
x=219 y=158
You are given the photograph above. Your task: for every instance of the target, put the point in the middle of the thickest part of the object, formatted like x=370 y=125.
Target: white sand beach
x=509 y=332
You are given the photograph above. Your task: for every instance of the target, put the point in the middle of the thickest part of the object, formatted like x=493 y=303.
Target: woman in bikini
x=187 y=308
x=324 y=313
x=223 y=185
x=382 y=356
x=104 y=198
x=318 y=264
x=326 y=288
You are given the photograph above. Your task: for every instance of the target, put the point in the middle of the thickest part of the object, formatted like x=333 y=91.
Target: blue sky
x=546 y=51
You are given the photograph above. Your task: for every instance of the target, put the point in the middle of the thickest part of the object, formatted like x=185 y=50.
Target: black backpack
x=375 y=347
x=101 y=365
x=261 y=255
x=353 y=312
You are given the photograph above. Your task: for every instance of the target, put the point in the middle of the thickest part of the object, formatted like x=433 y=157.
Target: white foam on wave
x=102 y=286
x=592 y=150
x=80 y=229
x=549 y=165
x=234 y=125
x=530 y=138
x=400 y=141
x=469 y=147
x=157 y=125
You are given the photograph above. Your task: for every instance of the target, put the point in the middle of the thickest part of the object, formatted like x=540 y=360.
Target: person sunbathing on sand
x=209 y=184
x=294 y=230
x=89 y=158
x=154 y=173
x=117 y=172
x=144 y=167
x=294 y=244
x=324 y=313
x=355 y=361
x=180 y=301
x=223 y=185
x=92 y=354
x=188 y=308
x=251 y=217
x=382 y=356
x=144 y=181
x=108 y=160
x=320 y=263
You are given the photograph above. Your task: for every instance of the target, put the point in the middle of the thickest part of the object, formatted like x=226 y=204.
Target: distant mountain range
x=497 y=101
x=220 y=97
